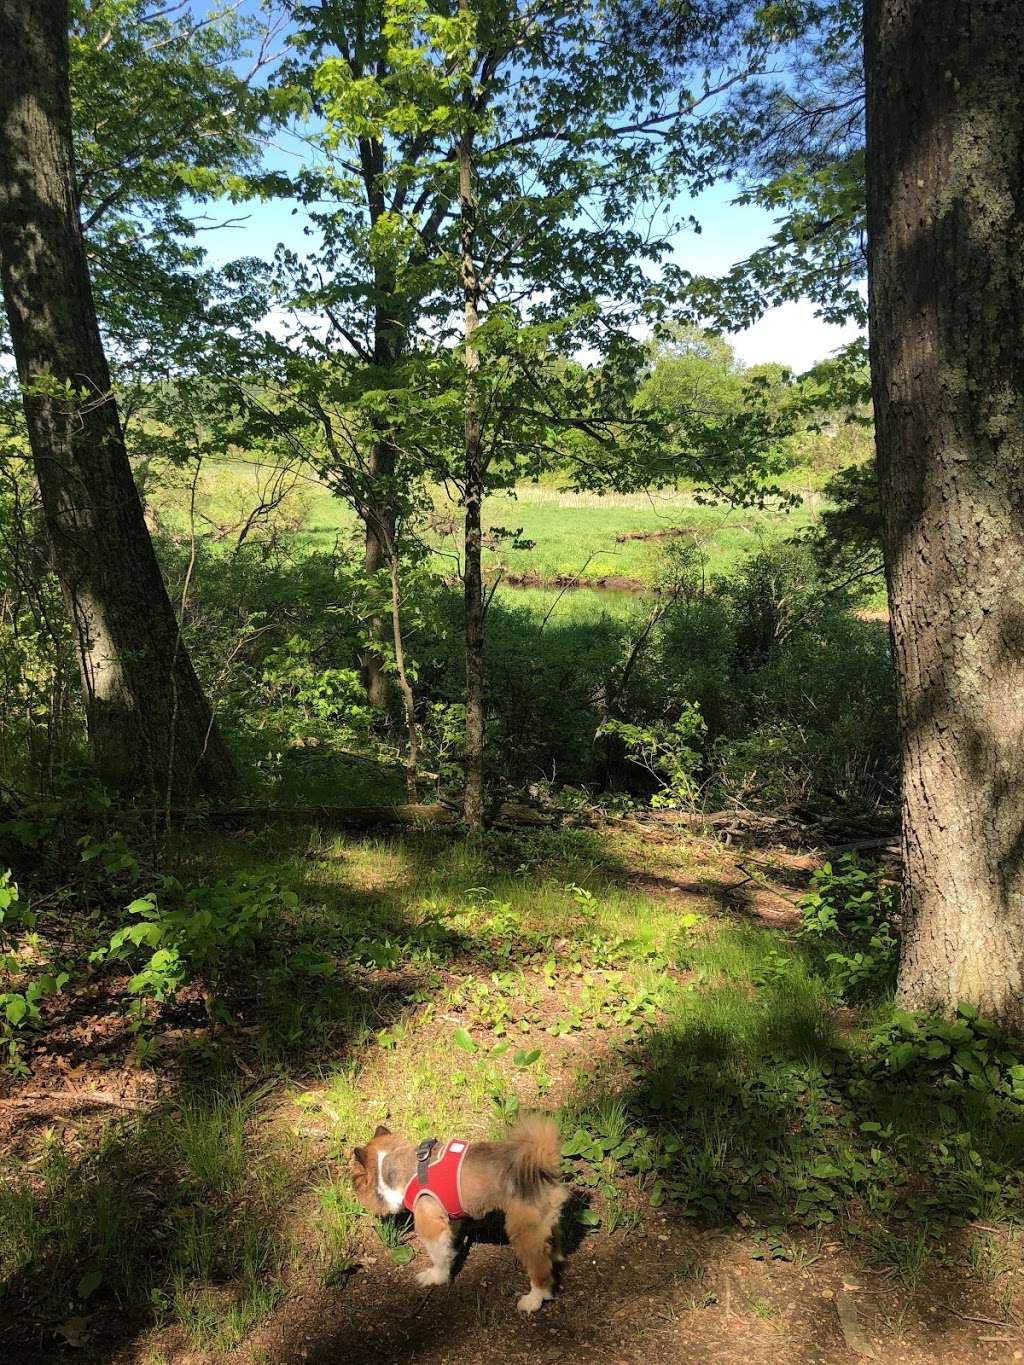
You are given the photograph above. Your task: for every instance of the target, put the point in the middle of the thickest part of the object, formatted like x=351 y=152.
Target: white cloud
x=791 y=335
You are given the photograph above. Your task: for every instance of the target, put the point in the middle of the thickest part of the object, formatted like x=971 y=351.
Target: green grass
x=570 y=533
x=166 y=1208
x=576 y=533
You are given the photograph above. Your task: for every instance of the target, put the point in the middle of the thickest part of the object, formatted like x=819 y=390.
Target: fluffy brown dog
x=519 y=1176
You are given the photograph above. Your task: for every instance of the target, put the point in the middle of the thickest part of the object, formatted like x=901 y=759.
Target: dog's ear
x=381 y=1131
x=360 y=1155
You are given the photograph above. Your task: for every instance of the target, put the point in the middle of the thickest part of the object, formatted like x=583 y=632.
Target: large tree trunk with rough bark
x=945 y=171
x=149 y=723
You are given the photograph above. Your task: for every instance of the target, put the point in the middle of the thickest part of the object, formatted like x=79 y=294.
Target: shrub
x=668 y=750
x=849 y=911
x=207 y=931
x=951 y=1053
x=25 y=985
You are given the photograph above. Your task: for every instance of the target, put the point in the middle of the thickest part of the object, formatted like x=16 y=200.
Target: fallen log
x=432 y=816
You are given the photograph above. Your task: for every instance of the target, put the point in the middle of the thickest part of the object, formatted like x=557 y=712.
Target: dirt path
x=657 y=1296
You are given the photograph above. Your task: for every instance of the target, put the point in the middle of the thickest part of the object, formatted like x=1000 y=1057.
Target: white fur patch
x=435 y=1275
x=529 y=1303
x=393 y=1198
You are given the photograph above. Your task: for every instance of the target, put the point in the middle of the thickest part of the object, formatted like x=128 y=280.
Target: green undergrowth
x=702 y=1069
x=176 y=1214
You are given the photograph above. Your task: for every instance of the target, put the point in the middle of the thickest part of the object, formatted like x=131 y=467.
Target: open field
x=578 y=534
x=742 y=1162
x=566 y=535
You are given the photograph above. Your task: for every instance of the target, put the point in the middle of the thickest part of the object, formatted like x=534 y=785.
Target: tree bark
x=381 y=524
x=408 y=700
x=945 y=182
x=380 y=529
x=473 y=795
x=149 y=723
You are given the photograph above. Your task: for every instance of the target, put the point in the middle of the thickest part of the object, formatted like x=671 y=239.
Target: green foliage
x=670 y=751
x=849 y=910
x=692 y=371
x=951 y=1053
x=24 y=984
x=209 y=932
x=795 y=138
x=165 y=120
x=332 y=697
x=849 y=538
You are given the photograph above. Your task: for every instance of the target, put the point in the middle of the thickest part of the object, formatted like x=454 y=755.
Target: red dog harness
x=438 y=1176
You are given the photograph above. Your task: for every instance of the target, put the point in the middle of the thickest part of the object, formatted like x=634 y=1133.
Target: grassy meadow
x=578 y=534
x=779 y=667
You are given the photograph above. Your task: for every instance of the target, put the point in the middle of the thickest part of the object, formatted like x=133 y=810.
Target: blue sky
x=790 y=334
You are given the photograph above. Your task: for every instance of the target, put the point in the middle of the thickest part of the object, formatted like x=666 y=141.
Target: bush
x=669 y=750
x=25 y=984
x=207 y=931
x=951 y=1053
x=848 y=911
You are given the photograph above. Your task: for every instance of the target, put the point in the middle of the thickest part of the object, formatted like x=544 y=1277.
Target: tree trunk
x=945 y=180
x=408 y=700
x=380 y=530
x=149 y=724
x=473 y=796
x=389 y=340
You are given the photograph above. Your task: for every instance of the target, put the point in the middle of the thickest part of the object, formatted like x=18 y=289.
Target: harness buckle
x=423 y=1152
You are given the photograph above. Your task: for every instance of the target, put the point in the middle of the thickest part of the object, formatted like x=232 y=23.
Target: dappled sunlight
x=725 y=1127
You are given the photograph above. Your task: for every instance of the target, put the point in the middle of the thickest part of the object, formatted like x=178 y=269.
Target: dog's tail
x=536 y=1152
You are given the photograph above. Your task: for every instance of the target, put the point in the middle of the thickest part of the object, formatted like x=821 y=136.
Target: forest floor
x=749 y=1183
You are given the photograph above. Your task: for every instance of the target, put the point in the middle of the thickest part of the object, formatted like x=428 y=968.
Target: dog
x=520 y=1176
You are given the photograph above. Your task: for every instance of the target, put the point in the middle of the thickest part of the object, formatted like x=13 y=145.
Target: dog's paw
x=435 y=1275
x=529 y=1303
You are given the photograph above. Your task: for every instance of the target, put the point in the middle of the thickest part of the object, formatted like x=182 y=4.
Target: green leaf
x=900 y=1056
x=462 y=1039
x=523 y=1058
x=402 y=1255
x=588 y=1218
x=89 y=1283
x=579 y=1142
x=17 y=1008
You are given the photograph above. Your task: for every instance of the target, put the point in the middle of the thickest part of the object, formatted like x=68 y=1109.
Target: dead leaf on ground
x=74 y=1331
x=853 y=1333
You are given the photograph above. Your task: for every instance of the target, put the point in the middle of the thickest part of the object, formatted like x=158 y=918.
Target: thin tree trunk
x=388 y=344
x=408 y=700
x=473 y=797
x=380 y=528
x=149 y=723
x=945 y=162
